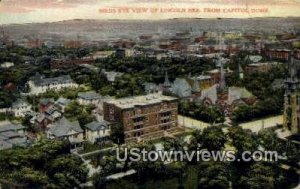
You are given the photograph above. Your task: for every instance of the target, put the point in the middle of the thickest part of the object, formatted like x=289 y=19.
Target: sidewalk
x=266 y=123
x=191 y=123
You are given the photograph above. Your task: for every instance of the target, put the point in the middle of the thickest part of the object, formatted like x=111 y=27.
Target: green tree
x=117 y=133
x=213 y=175
x=213 y=138
x=259 y=176
x=60 y=168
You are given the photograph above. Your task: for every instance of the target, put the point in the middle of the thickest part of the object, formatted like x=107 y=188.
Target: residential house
x=45 y=103
x=63 y=129
x=112 y=76
x=7 y=65
x=20 y=108
x=61 y=103
x=38 y=84
x=50 y=115
x=97 y=131
x=11 y=134
x=87 y=98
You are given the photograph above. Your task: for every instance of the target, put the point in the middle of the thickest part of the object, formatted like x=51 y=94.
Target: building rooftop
x=91 y=95
x=210 y=93
x=131 y=102
x=9 y=134
x=8 y=126
x=39 y=80
x=264 y=64
x=112 y=76
x=236 y=93
x=5 y=145
x=181 y=88
x=202 y=77
x=63 y=127
x=46 y=101
x=63 y=101
x=214 y=71
x=19 y=103
x=96 y=126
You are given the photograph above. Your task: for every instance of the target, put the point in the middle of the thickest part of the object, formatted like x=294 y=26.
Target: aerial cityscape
x=82 y=100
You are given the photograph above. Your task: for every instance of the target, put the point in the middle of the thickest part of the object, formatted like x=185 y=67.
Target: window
x=137 y=134
x=165 y=127
x=138 y=127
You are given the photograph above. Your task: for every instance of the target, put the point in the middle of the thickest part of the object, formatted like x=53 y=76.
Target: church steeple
x=222 y=84
x=196 y=86
x=291 y=120
x=167 y=82
x=241 y=72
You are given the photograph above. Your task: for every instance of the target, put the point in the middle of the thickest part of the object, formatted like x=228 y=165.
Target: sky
x=32 y=11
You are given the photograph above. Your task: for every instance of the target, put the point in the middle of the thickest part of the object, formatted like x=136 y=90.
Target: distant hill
x=105 y=29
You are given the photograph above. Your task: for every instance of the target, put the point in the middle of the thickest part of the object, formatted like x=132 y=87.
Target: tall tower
x=291 y=119
x=222 y=84
x=166 y=87
x=241 y=72
x=167 y=82
x=196 y=86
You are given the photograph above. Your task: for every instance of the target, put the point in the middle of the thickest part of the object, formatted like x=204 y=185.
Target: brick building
x=143 y=117
x=277 y=54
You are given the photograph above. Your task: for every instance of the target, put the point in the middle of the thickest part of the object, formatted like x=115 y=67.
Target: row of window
x=137 y=134
x=149 y=110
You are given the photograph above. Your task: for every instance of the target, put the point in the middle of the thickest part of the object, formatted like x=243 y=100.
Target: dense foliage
x=213 y=174
x=200 y=111
x=45 y=164
x=270 y=100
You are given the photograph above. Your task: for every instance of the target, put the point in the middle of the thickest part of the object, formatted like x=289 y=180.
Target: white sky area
x=28 y=11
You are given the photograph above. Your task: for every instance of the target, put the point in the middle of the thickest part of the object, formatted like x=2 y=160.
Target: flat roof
x=264 y=64
x=131 y=102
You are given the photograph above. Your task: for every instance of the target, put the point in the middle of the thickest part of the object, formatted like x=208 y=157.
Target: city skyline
x=31 y=11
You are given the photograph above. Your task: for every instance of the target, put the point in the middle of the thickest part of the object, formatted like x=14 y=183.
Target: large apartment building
x=143 y=117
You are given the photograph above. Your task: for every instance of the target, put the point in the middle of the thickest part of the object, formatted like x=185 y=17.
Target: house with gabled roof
x=61 y=103
x=12 y=134
x=39 y=84
x=87 y=98
x=64 y=129
x=20 y=108
x=97 y=131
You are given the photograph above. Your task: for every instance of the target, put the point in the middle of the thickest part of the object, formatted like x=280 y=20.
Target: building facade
x=143 y=117
x=291 y=120
x=97 y=131
x=39 y=84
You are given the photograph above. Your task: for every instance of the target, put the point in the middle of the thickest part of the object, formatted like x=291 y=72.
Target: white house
x=87 y=98
x=112 y=76
x=7 y=65
x=38 y=84
x=97 y=131
x=20 y=108
x=92 y=98
x=61 y=103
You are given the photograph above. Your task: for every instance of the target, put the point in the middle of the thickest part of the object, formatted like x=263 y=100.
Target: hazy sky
x=27 y=11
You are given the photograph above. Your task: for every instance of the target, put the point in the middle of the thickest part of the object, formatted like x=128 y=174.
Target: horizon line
x=155 y=20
